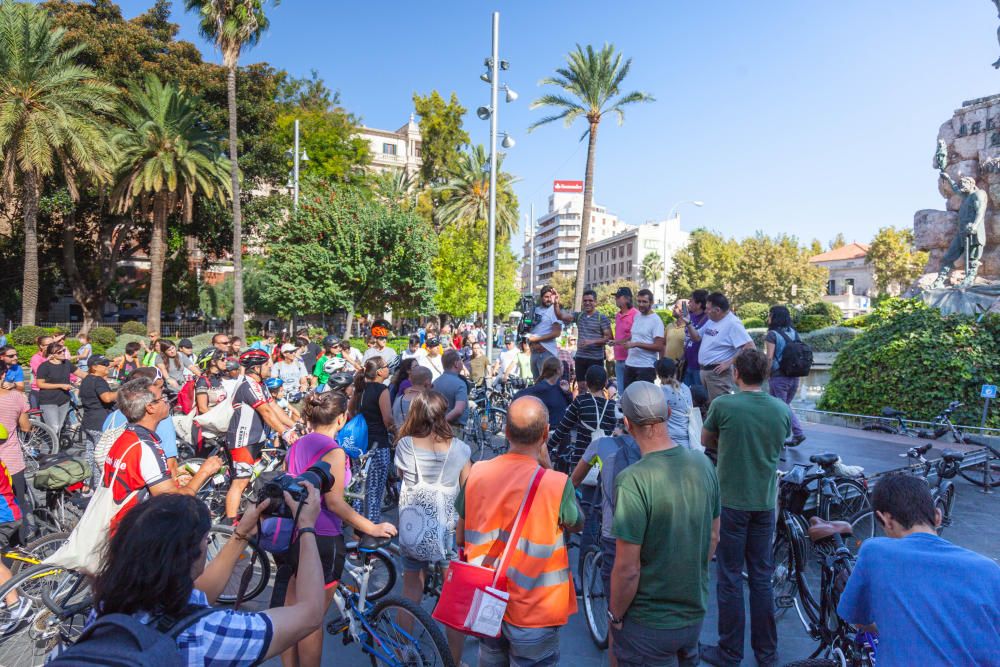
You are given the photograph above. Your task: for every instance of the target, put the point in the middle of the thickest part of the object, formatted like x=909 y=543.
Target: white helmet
x=334 y=365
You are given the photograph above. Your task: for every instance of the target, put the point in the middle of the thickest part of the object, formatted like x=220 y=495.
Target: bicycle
x=484 y=424
x=840 y=643
x=394 y=631
x=595 y=598
x=71 y=434
x=41 y=440
x=938 y=476
x=941 y=425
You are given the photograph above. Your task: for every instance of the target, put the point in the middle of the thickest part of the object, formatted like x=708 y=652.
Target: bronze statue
x=971 y=238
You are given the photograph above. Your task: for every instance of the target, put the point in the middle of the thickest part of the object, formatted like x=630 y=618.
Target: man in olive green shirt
x=666 y=526
x=748 y=429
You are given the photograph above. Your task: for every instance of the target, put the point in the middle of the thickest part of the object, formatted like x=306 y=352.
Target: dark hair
x=700 y=296
x=450 y=358
x=361 y=379
x=38 y=341
x=148 y=561
x=780 y=318
x=646 y=293
x=551 y=367
x=133 y=347
x=718 y=299
x=590 y=292
x=174 y=361
x=666 y=368
x=545 y=290
x=596 y=378
x=906 y=498
x=53 y=348
x=147 y=372
x=426 y=417
x=403 y=372
x=217 y=335
x=235 y=339
x=414 y=340
x=323 y=409
x=529 y=433
x=752 y=366
x=420 y=375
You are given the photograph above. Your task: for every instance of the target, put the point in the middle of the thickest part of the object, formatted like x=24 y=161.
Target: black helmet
x=339 y=381
x=330 y=341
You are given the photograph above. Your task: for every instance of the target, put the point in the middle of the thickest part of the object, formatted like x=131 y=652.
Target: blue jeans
x=620 y=377
x=520 y=647
x=692 y=377
x=745 y=537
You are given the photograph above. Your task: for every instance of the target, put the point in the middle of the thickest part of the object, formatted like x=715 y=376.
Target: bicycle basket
x=792 y=490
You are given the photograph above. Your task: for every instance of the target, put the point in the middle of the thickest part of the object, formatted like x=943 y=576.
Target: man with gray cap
x=666 y=526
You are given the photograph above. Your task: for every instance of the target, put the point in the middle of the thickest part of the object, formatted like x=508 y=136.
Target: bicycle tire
x=217 y=537
x=29 y=642
x=383 y=624
x=854 y=497
x=782 y=584
x=41 y=439
x=595 y=599
x=976 y=472
x=863 y=527
x=813 y=662
x=383 y=577
x=40 y=549
x=881 y=428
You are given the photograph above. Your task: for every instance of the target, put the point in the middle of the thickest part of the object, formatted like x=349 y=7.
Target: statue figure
x=971 y=238
x=996 y=65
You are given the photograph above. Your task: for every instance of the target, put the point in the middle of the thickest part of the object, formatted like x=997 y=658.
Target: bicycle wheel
x=783 y=580
x=986 y=473
x=863 y=527
x=382 y=578
x=211 y=493
x=28 y=635
x=71 y=433
x=852 y=500
x=881 y=428
x=404 y=633
x=252 y=555
x=40 y=441
x=37 y=551
x=595 y=599
x=473 y=435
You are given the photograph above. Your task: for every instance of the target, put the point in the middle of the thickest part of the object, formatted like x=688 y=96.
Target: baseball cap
x=185 y=342
x=644 y=403
x=288 y=347
x=624 y=291
x=433 y=342
x=98 y=360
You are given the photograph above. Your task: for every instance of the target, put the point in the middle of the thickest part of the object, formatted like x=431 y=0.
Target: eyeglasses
x=157 y=400
x=10 y=356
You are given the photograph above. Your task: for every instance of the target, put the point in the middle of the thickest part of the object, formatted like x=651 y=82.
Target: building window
x=831 y=287
x=630 y=267
x=630 y=249
x=621 y=250
x=614 y=253
x=602 y=272
x=849 y=282
x=621 y=267
x=416 y=150
x=388 y=149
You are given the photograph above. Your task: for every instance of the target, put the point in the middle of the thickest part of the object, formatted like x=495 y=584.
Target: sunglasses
x=10 y=356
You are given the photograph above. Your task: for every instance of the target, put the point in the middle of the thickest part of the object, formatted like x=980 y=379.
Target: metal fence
x=167 y=329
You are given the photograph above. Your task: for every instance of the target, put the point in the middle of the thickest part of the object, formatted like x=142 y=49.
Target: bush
x=754 y=323
x=26 y=335
x=318 y=333
x=916 y=360
x=24 y=354
x=666 y=315
x=830 y=339
x=754 y=310
x=398 y=344
x=118 y=349
x=135 y=329
x=858 y=321
x=807 y=323
x=103 y=337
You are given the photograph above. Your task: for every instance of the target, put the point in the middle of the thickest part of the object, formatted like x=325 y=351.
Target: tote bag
x=84 y=548
x=694 y=429
x=217 y=419
x=426 y=515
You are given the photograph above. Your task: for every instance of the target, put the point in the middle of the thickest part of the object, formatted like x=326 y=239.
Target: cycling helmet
x=253 y=358
x=232 y=364
x=330 y=341
x=3 y=433
x=381 y=328
x=334 y=365
x=340 y=381
x=273 y=383
x=208 y=356
x=394 y=364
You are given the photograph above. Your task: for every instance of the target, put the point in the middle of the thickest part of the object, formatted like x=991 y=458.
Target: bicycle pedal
x=336 y=626
x=784 y=602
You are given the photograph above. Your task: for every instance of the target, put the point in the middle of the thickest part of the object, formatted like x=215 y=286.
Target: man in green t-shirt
x=748 y=429
x=666 y=526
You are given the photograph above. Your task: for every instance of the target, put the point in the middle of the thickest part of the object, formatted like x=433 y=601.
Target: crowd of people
x=657 y=441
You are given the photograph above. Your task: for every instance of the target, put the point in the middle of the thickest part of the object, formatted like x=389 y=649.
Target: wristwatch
x=614 y=620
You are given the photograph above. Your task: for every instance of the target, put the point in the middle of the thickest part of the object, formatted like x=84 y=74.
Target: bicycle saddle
x=369 y=543
x=919 y=451
x=891 y=412
x=820 y=529
x=825 y=460
x=951 y=456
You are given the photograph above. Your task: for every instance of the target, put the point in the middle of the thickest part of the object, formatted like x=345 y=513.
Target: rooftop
x=850 y=251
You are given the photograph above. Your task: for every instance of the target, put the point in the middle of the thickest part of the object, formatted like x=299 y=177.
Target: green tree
x=776 y=270
x=708 y=261
x=563 y=282
x=233 y=25
x=466 y=195
x=606 y=295
x=895 y=263
x=838 y=241
x=591 y=87
x=460 y=269
x=166 y=158
x=651 y=269
x=816 y=248
x=50 y=111
x=328 y=138
x=441 y=136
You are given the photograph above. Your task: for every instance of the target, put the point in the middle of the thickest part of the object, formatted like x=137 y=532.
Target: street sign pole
x=988 y=392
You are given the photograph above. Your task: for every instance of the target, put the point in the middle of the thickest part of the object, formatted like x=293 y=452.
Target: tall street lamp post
x=295 y=156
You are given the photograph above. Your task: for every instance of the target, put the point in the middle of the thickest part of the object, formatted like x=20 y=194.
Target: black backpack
x=121 y=640
x=797 y=357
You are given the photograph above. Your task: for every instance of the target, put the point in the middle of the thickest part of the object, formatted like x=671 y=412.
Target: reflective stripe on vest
x=538 y=574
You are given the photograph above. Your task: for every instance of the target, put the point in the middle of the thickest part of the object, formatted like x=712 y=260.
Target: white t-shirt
x=421 y=352
x=721 y=340
x=433 y=363
x=645 y=328
x=546 y=320
x=508 y=357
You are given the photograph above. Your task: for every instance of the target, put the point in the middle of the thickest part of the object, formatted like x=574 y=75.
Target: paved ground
x=975 y=527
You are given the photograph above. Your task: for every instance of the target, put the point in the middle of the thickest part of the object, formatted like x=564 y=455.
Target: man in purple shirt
x=696 y=319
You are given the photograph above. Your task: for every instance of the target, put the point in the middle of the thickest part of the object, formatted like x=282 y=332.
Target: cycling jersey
x=9 y=510
x=141 y=465
x=210 y=385
x=246 y=426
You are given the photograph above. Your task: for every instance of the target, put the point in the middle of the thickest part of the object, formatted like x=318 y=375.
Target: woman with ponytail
x=371 y=401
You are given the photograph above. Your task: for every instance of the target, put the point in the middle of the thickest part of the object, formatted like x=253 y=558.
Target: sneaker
x=795 y=440
x=713 y=655
x=17 y=614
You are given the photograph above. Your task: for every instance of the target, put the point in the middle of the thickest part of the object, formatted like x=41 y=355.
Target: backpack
x=596 y=434
x=628 y=453
x=426 y=515
x=353 y=437
x=796 y=358
x=61 y=472
x=185 y=397
x=123 y=640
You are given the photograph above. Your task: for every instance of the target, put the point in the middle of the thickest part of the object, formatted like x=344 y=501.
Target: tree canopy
x=895 y=263
x=460 y=270
x=441 y=136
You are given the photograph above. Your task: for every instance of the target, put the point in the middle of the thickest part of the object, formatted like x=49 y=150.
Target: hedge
x=103 y=336
x=398 y=344
x=754 y=323
x=753 y=310
x=135 y=328
x=806 y=323
x=830 y=339
x=916 y=360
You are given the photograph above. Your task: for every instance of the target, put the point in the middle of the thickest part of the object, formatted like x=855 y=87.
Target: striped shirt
x=591 y=327
x=582 y=415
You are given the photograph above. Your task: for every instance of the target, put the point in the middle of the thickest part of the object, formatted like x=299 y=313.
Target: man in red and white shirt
x=137 y=456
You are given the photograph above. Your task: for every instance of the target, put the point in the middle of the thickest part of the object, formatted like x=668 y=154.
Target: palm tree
x=50 y=120
x=466 y=195
x=233 y=24
x=166 y=159
x=651 y=269
x=591 y=84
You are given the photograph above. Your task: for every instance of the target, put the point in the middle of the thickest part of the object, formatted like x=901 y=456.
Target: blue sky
x=785 y=116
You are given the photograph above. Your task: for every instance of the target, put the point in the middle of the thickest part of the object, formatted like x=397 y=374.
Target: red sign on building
x=567 y=186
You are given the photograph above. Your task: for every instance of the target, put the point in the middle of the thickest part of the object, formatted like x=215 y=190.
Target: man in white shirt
x=506 y=366
x=381 y=349
x=432 y=360
x=646 y=343
x=548 y=327
x=413 y=349
x=721 y=337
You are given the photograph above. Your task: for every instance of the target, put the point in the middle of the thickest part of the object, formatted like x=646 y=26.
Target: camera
x=318 y=475
x=527 y=308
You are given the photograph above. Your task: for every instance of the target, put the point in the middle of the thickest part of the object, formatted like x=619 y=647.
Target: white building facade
x=620 y=257
x=399 y=150
x=553 y=245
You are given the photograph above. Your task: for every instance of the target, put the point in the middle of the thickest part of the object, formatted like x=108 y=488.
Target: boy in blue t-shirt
x=932 y=602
